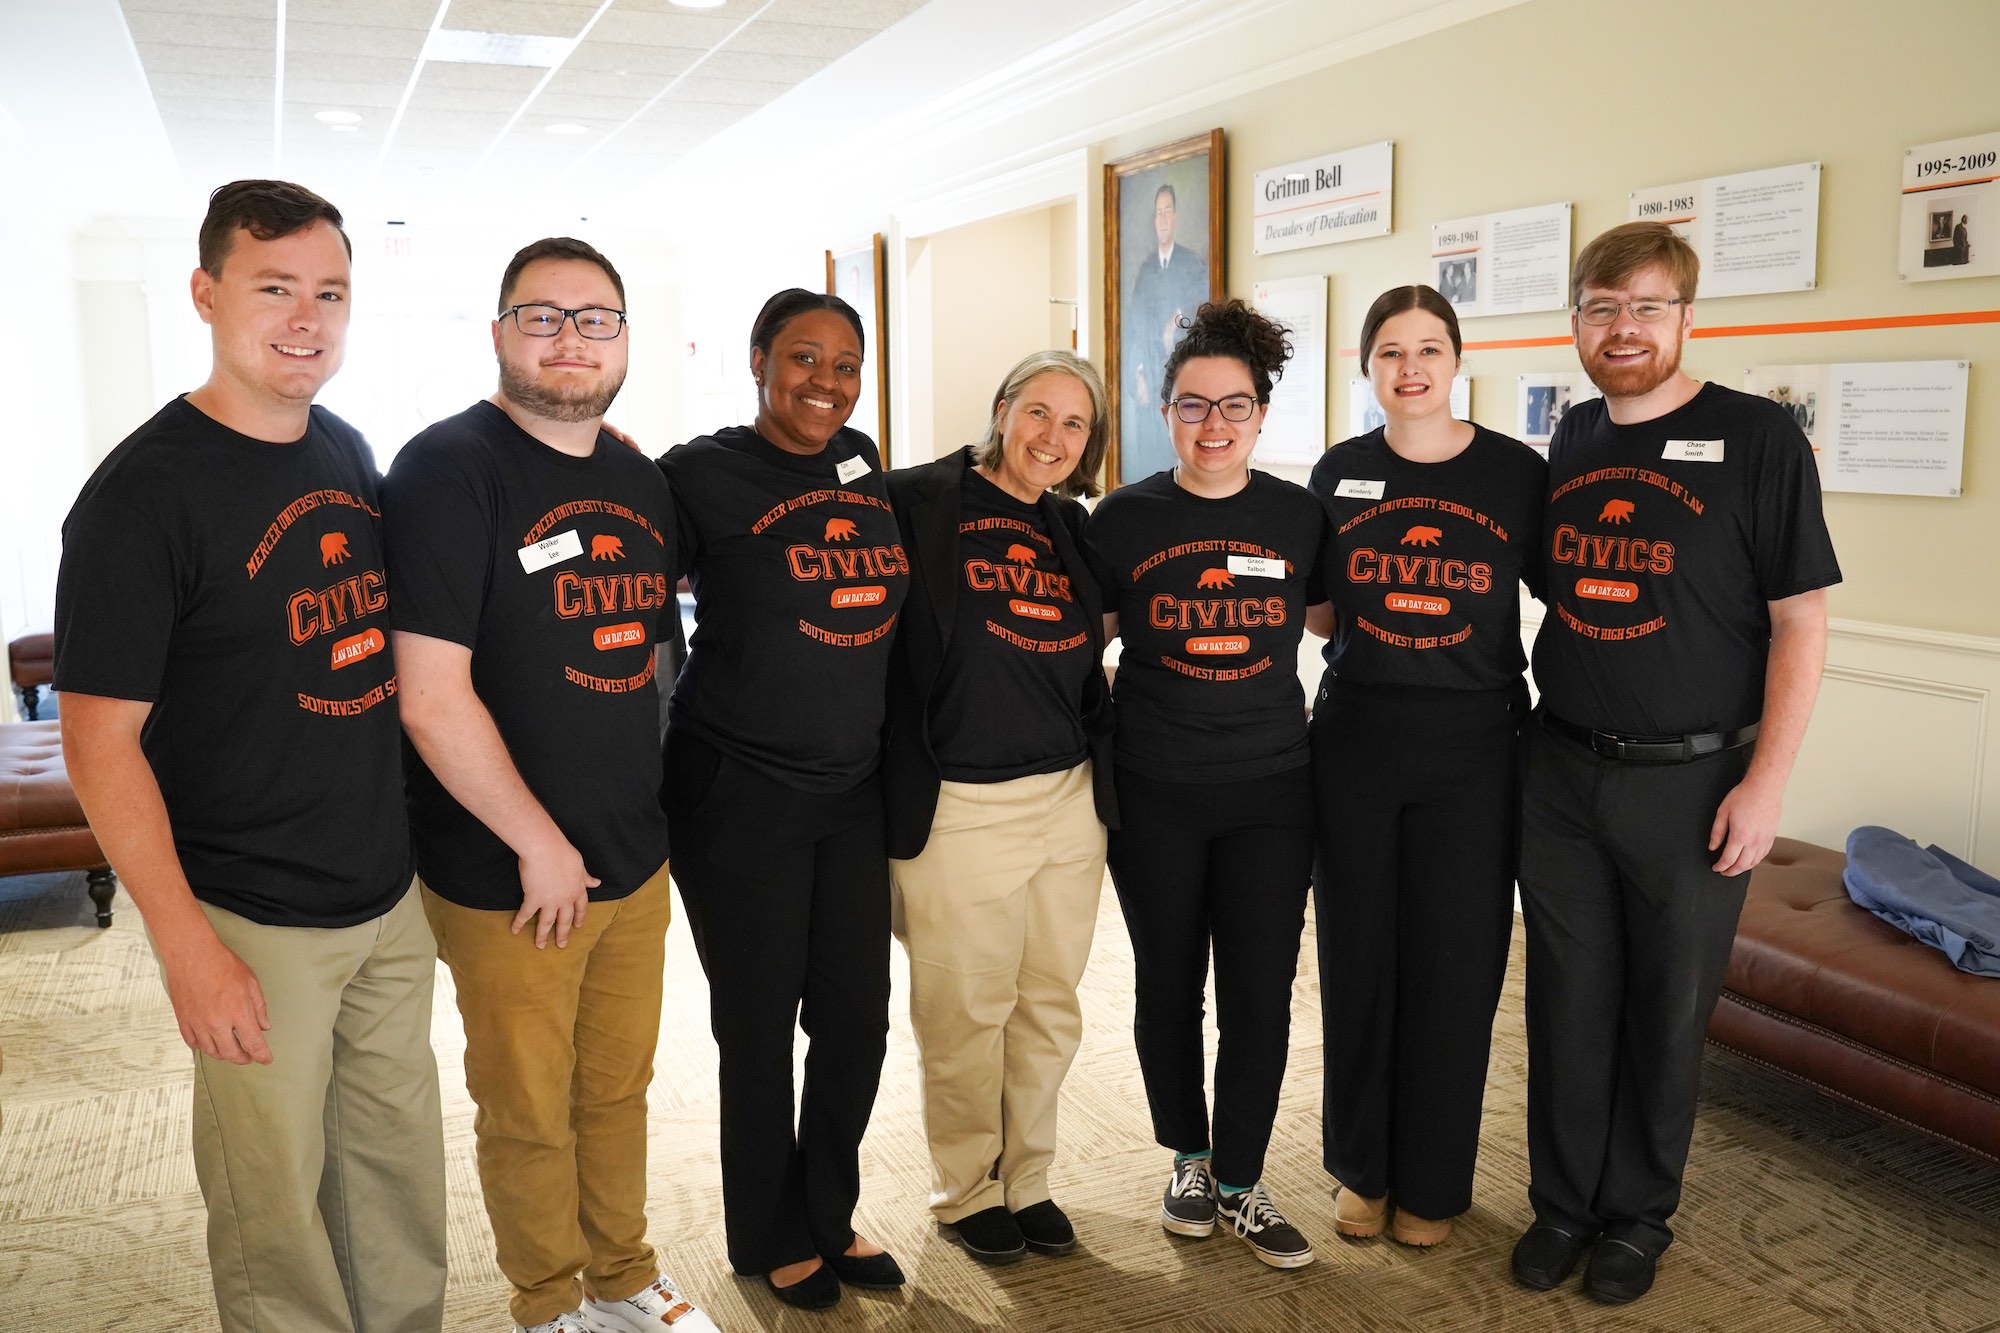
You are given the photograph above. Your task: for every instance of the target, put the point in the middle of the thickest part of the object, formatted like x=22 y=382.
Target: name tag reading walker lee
x=1693 y=451
x=850 y=468
x=551 y=551
x=1258 y=566
x=1354 y=488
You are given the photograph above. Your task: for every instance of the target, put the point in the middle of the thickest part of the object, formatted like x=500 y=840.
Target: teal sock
x=1201 y=1156
x=1233 y=1189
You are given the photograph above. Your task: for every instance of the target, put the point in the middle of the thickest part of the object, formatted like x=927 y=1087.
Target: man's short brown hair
x=1615 y=256
x=268 y=210
x=556 y=247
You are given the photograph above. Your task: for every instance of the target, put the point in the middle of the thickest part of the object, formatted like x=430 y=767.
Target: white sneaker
x=566 y=1322
x=649 y=1310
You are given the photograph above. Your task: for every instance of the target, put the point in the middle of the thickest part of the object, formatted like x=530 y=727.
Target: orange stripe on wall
x=1941 y=319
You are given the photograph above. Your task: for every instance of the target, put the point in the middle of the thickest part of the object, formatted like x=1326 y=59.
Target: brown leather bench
x=31 y=661
x=1829 y=993
x=41 y=825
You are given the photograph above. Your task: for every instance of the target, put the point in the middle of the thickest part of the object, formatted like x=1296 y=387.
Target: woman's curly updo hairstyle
x=1236 y=330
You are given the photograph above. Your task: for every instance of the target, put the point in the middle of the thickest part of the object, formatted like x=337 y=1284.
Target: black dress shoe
x=1545 y=1256
x=817 y=1290
x=1619 y=1272
x=1046 y=1228
x=878 y=1272
x=991 y=1235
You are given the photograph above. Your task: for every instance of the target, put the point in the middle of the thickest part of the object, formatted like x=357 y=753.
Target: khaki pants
x=324 y=1170
x=997 y=914
x=558 y=1053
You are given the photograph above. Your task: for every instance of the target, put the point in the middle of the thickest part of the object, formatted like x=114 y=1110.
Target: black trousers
x=787 y=895
x=1414 y=888
x=1629 y=932
x=1226 y=864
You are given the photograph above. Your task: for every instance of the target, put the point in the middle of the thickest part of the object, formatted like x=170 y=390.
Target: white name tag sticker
x=1354 y=488
x=551 y=551
x=848 y=469
x=1256 y=567
x=1693 y=451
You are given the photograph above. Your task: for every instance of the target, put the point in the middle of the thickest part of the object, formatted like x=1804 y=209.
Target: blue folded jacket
x=1929 y=893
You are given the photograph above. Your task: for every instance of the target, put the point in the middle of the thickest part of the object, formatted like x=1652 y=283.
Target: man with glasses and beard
x=531 y=563
x=1688 y=560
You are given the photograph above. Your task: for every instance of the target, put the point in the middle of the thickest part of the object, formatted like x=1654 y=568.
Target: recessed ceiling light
x=337 y=117
x=463 y=46
x=568 y=128
x=345 y=129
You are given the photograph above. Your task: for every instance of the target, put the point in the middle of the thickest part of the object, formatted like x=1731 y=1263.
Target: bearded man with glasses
x=532 y=560
x=1688 y=560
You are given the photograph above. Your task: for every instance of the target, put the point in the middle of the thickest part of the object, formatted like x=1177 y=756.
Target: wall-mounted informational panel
x=1757 y=231
x=1951 y=210
x=1295 y=426
x=1503 y=263
x=1887 y=427
x=1343 y=196
x=1542 y=397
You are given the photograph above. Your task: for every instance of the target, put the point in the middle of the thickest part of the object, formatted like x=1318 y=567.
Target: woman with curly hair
x=1207 y=570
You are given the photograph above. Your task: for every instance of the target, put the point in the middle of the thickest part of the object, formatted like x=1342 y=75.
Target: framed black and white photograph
x=858 y=277
x=1162 y=259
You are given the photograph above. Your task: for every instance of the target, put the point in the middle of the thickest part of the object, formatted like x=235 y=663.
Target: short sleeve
x=1102 y=572
x=120 y=590
x=440 y=548
x=1316 y=585
x=1790 y=547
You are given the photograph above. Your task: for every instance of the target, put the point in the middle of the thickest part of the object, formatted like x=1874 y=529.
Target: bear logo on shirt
x=1215 y=578
x=332 y=549
x=840 y=530
x=1616 y=511
x=1421 y=536
x=604 y=546
x=1021 y=555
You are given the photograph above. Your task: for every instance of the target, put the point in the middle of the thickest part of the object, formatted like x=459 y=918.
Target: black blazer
x=926 y=500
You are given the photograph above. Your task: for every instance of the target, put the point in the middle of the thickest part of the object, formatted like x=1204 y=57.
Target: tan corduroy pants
x=323 y=1171
x=997 y=914
x=558 y=1052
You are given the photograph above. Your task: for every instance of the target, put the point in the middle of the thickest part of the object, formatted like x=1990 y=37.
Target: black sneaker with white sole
x=1253 y=1216
x=1188 y=1207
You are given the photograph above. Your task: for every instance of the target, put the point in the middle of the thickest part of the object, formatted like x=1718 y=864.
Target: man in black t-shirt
x=229 y=722
x=532 y=558
x=1687 y=562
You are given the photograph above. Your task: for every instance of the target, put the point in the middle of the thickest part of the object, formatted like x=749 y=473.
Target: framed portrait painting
x=1162 y=258
x=858 y=277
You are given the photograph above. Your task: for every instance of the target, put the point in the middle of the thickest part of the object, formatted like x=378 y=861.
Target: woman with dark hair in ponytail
x=1207 y=570
x=1436 y=523
x=774 y=808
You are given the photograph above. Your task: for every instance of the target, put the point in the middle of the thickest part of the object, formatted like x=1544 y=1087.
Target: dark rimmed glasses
x=546 y=321
x=1194 y=409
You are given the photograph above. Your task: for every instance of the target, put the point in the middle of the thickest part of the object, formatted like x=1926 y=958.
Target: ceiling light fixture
x=337 y=117
x=568 y=128
x=465 y=47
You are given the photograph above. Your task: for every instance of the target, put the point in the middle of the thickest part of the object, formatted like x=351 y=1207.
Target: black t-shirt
x=1665 y=542
x=1010 y=692
x=1427 y=558
x=557 y=572
x=1211 y=598
x=798 y=576
x=238 y=587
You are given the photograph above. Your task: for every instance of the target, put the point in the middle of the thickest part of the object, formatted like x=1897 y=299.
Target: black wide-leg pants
x=1414 y=889
x=1629 y=933
x=1225 y=864
x=787 y=896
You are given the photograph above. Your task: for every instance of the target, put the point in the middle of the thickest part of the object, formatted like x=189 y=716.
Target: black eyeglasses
x=1600 y=313
x=546 y=321
x=1194 y=409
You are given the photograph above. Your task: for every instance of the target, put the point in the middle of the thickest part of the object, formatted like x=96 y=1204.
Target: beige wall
x=1582 y=101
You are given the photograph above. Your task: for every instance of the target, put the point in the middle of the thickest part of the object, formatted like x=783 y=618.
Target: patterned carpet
x=1801 y=1215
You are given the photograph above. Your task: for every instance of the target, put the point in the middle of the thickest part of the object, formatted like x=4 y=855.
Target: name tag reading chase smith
x=1693 y=451
x=1256 y=567
x=1354 y=488
x=850 y=468
x=550 y=551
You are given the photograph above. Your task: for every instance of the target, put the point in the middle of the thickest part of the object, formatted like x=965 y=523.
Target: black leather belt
x=1651 y=749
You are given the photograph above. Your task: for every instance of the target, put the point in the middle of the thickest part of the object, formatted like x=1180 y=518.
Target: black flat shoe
x=1545 y=1256
x=1619 y=1272
x=817 y=1290
x=876 y=1272
x=991 y=1235
x=1045 y=1228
